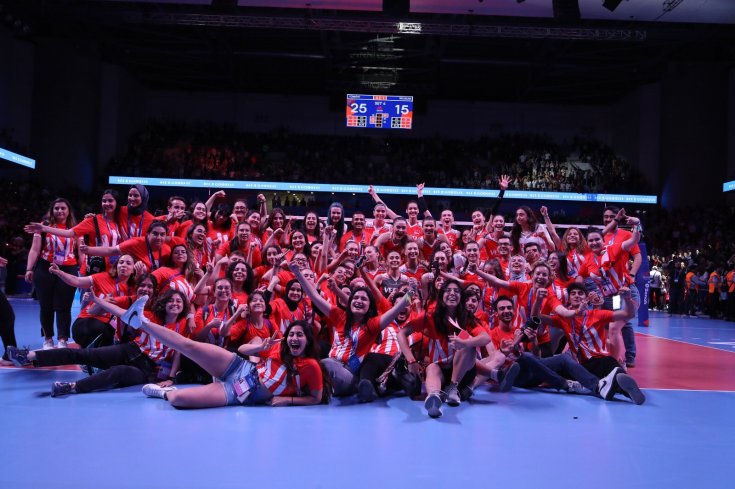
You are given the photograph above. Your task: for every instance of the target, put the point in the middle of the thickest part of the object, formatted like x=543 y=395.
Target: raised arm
x=635 y=236
x=220 y=194
x=493 y=280
x=550 y=227
x=38 y=228
x=391 y=314
x=503 y=182
x=67 y=278
x=316 y=300
x=423 y=205
x=389 y=212
x=100 y=250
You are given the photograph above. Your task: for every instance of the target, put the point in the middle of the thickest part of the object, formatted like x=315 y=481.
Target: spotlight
x=611 y=5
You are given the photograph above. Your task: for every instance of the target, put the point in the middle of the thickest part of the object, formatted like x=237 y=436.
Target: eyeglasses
x=452 y=291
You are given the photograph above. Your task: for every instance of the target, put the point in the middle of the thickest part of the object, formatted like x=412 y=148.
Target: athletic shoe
x=606 y=385
x=48 y=344
x=134 y=314
x=465 y=393
x=62 y=388
x=19 y=356
x=630 y=363
x=507 y=376
x=155 y=390
x=453 y=395
x=62 y=344
x=576 y=388
x=366 y=391
x=628 y=386
x=433 y=405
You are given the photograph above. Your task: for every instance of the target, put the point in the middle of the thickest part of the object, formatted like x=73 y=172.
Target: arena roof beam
x=386 y=27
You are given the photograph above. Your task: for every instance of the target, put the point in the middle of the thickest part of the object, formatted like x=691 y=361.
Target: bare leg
x=487 y=368
x=615 y=341
x=463 y=361
x=211 y=395
x=212 y=358
x=433 y=378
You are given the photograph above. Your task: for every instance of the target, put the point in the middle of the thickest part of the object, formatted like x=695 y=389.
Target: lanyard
x=170 y=279
x=56 y=243
x=140 y=228
x=530 y=296
x=224 y=312
x=354 y=335
x=577 y=338
x=117 y=287
x=154 y=263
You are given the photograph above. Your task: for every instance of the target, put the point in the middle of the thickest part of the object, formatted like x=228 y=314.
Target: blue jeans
x=239 y=368
x=344 y=382
x=567 y=367
x=627 y=332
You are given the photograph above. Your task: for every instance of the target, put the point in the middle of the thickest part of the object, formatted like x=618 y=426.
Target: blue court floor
x=120 y=439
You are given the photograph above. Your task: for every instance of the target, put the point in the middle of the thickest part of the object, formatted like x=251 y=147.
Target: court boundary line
x=683 y=342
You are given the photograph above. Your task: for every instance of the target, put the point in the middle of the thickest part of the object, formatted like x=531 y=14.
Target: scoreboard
x=380 y=111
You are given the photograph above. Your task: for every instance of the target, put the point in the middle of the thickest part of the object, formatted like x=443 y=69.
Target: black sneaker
x=366 y=391
x=507 y=376
x=465 y=393
x=61 y=388
x=628 y=386
x=19 y=356
x=433 y=405
x=606 y=385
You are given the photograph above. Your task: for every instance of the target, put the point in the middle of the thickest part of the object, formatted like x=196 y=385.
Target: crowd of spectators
x=208 y=150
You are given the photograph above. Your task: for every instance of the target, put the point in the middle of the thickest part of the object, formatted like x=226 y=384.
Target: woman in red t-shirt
x=133 y=219
x=54 y=296
x=453 y=335
x=287 y=375
x=111 y=284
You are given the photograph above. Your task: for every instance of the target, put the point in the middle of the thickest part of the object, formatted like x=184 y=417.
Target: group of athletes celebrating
x=255 y=307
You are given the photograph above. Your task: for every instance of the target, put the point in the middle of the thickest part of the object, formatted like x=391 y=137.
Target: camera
x=531 y=323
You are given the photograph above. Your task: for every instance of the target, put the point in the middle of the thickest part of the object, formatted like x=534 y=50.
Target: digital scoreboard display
x=380 y=111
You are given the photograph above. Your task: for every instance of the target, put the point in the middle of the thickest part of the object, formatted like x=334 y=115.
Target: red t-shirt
x=140 y=251
x=104 y=286
x=275 y=377
x=586 y=334
x=134 y=226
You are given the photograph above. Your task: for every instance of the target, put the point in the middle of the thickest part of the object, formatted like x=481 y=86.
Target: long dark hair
x=340 y=226
x=274 y=211
x=190 y=265
x=441 y=312
x=563 y=272
x=291 y=304
x=224 y=209
x=310 y=351
x=249 y=283
x=159 y=308
x=371 y=312
x=317 y=229
x=515 y=232
x=115 y=195
x=190 y=233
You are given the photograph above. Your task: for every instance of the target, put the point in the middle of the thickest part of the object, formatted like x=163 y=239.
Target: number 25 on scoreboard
x=358 y=108
x=402 y=109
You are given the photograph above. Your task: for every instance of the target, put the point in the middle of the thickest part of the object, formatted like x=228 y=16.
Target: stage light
x=611 y=5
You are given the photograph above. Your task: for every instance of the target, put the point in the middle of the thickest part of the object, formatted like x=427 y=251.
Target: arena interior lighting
x=17 y=159
x=382 y=189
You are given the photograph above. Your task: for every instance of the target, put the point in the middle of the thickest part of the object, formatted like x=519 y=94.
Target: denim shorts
x=239 y=368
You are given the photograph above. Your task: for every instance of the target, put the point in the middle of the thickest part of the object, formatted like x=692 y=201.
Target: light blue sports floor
x=680 y=438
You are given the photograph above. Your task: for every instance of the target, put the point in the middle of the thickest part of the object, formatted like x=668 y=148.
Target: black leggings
x=54 y=296
x=124 y=365
x=7 y=324
x=86 y=330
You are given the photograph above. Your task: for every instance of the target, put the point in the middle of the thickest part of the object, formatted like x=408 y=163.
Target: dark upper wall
x=76 y=112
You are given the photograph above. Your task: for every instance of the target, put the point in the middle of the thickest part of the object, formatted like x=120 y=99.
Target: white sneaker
x=62 y=344
x=48 y=344
x=134 y=314
x=606 y=386
x=576 y=388
x=155 y=390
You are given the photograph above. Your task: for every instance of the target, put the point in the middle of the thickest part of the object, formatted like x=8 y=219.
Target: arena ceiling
x=505 y=50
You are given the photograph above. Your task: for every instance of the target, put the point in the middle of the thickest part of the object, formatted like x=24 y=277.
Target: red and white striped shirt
x=154 y=349
x=586 y=334
x=274 y=376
